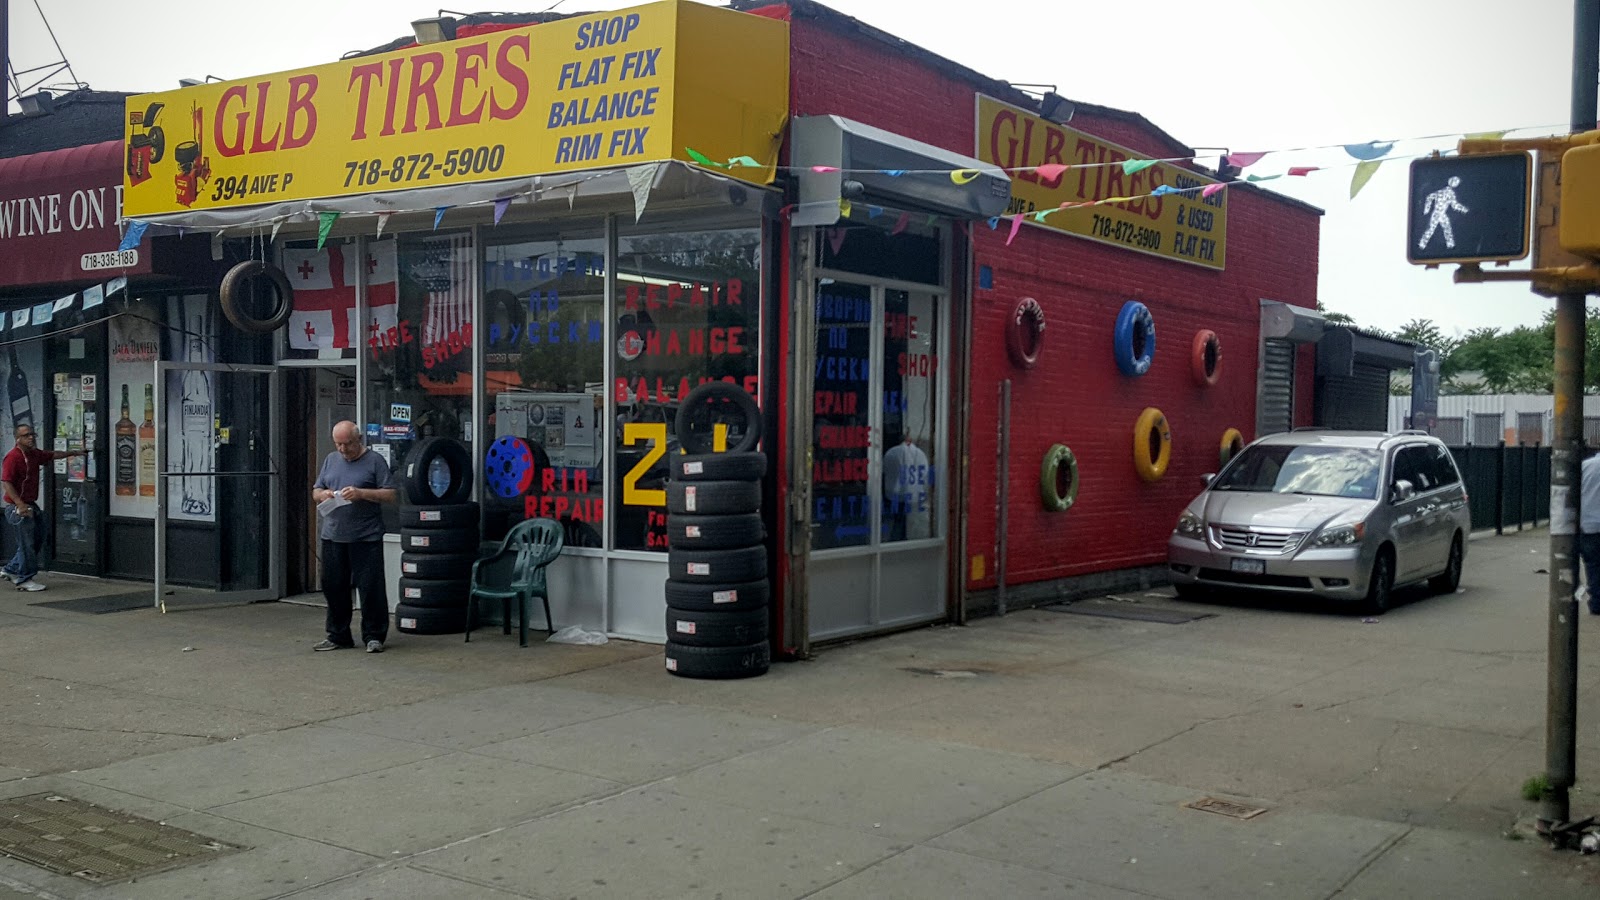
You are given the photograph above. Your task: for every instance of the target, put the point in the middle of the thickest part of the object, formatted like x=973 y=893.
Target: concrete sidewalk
x=1048 y=753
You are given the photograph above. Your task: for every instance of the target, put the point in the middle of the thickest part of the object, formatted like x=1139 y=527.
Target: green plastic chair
x=516 y=572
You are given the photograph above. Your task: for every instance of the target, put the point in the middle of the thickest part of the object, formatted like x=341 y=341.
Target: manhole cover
x=71 y=837
x=1224 y=808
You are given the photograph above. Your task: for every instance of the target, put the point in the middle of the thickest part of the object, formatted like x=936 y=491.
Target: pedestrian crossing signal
x=1469 y=208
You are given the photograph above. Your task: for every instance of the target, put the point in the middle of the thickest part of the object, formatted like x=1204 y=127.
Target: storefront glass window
x=544 y=371
x=910 y=395
x=841 y=514
x=687 y=310
x=419 y=344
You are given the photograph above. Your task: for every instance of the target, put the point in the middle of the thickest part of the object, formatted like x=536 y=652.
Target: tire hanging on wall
x=1133 y=340
x=704 y=406
x=1152 y=445
x=1058 y=460
x=235 y=282
x=1025 y=333
x=1205 y=359
x=1232 y=443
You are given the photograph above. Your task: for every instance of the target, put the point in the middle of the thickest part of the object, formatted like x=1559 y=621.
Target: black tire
x=686 y=661
x=748 y=466
x=713 y=498
x=431 y=593
x=718 y=402
x=429 y=541
x=699 y=628
x=720 y=597
x=437 y=566
x=416 y=620
x=714 y=532
x=719 y=566
x=1380 y=587
x=460 y=515
x=1447 y=581
x=413 y=483
x=234 y=283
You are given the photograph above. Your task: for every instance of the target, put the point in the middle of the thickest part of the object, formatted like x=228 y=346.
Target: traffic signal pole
x=1561 y=711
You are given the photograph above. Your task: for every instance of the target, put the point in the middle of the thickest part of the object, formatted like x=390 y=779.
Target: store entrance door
x=217 y=476
x=876 y=551
x=317 y=398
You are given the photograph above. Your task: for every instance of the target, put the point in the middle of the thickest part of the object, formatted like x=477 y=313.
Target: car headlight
x=1342 y=535
x=1190 y=525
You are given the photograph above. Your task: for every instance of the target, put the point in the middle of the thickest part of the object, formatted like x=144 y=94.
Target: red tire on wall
x=1205 y=358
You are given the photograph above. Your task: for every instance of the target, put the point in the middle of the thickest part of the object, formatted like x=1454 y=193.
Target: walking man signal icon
x=1437 y=208
x=1471 y=208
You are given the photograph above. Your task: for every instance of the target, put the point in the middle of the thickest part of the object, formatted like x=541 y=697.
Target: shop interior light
x=434 y=30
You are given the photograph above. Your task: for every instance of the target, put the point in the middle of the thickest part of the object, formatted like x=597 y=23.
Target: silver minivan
x=1345 y=515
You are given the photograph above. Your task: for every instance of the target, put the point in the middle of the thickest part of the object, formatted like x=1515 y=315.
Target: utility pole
x=1561 y=712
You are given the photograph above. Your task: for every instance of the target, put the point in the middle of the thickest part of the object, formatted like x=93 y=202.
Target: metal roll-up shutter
x=1486 y=428
x=1275 y=409
x=1358 y=401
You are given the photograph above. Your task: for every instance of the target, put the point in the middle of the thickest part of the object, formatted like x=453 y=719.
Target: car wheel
x=1447 y=581
x=1380 y=587
x=1191 y=591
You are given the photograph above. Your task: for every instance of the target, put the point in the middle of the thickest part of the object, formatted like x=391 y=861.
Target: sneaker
x=29 y=585
x=374 y=646
x=328 y=645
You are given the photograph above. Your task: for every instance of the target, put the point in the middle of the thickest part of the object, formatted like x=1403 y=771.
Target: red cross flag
x=324 y=283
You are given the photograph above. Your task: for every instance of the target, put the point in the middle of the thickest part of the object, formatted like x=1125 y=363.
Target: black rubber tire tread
x=437 y=566
x=430 y=621
x=235 y=281
x=747 y=466
x=702 y=628
x=435 y=593
x=413 y=482
x=697 y=442
x=436 y=542
x=722 y=597
x=713 y=498
x=458 y=515
x=688 y=661
x=714 y=532
x=741 y=564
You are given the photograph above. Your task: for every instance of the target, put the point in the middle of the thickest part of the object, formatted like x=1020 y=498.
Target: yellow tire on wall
x=1232 y=443
x=1058 y=462
x=1152 y=445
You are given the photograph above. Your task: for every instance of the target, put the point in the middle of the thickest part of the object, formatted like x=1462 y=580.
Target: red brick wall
x=1075 y=395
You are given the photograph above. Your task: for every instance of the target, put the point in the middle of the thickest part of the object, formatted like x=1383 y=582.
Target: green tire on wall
x=1058 y=461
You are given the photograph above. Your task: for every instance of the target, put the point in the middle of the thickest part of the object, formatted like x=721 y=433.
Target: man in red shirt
x=19 y=479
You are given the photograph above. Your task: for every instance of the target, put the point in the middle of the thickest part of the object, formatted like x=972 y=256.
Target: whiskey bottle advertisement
x=17 y=390
x=127 y=439
x=147 y=443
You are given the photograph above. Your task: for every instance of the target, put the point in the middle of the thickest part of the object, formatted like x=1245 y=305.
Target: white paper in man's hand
x=331 y=504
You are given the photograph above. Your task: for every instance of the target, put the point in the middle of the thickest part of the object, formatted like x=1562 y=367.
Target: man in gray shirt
x=352 y=539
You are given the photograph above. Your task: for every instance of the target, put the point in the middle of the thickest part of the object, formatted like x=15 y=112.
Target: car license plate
x=1249 y=566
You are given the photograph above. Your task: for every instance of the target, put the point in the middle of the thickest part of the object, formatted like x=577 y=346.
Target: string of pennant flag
x=1366 y=158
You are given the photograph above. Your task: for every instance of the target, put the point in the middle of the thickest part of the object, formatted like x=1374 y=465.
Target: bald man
x=352 y=540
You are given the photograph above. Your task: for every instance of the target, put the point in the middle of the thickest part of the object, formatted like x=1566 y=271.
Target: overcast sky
x=1249 y=75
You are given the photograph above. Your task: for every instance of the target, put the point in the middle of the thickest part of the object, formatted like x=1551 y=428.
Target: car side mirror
x=1207 y=478
x=1403 y=490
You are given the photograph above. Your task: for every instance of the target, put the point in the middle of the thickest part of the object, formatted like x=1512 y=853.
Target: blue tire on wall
x=1134 y=339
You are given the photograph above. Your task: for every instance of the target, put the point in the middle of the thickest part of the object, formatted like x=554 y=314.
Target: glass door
x=878 y=438
x=217 y=480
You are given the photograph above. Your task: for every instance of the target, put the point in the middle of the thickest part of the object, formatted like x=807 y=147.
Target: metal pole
x=1004 y=470
x=1561 y=711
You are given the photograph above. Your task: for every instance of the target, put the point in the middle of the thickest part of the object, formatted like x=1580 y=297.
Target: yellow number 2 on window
x=656 y=434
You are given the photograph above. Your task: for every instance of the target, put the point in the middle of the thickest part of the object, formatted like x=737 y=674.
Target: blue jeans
x=1589 y=552
x=29 y=531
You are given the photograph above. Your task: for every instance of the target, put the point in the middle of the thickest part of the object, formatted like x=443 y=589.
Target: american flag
x=444 y=269
x=324 y=282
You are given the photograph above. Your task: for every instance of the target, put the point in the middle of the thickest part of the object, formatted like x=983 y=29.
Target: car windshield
x=1284 y=469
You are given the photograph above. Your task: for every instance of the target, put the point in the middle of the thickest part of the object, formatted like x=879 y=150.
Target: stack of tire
x=438 y=538
x=717 y=589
